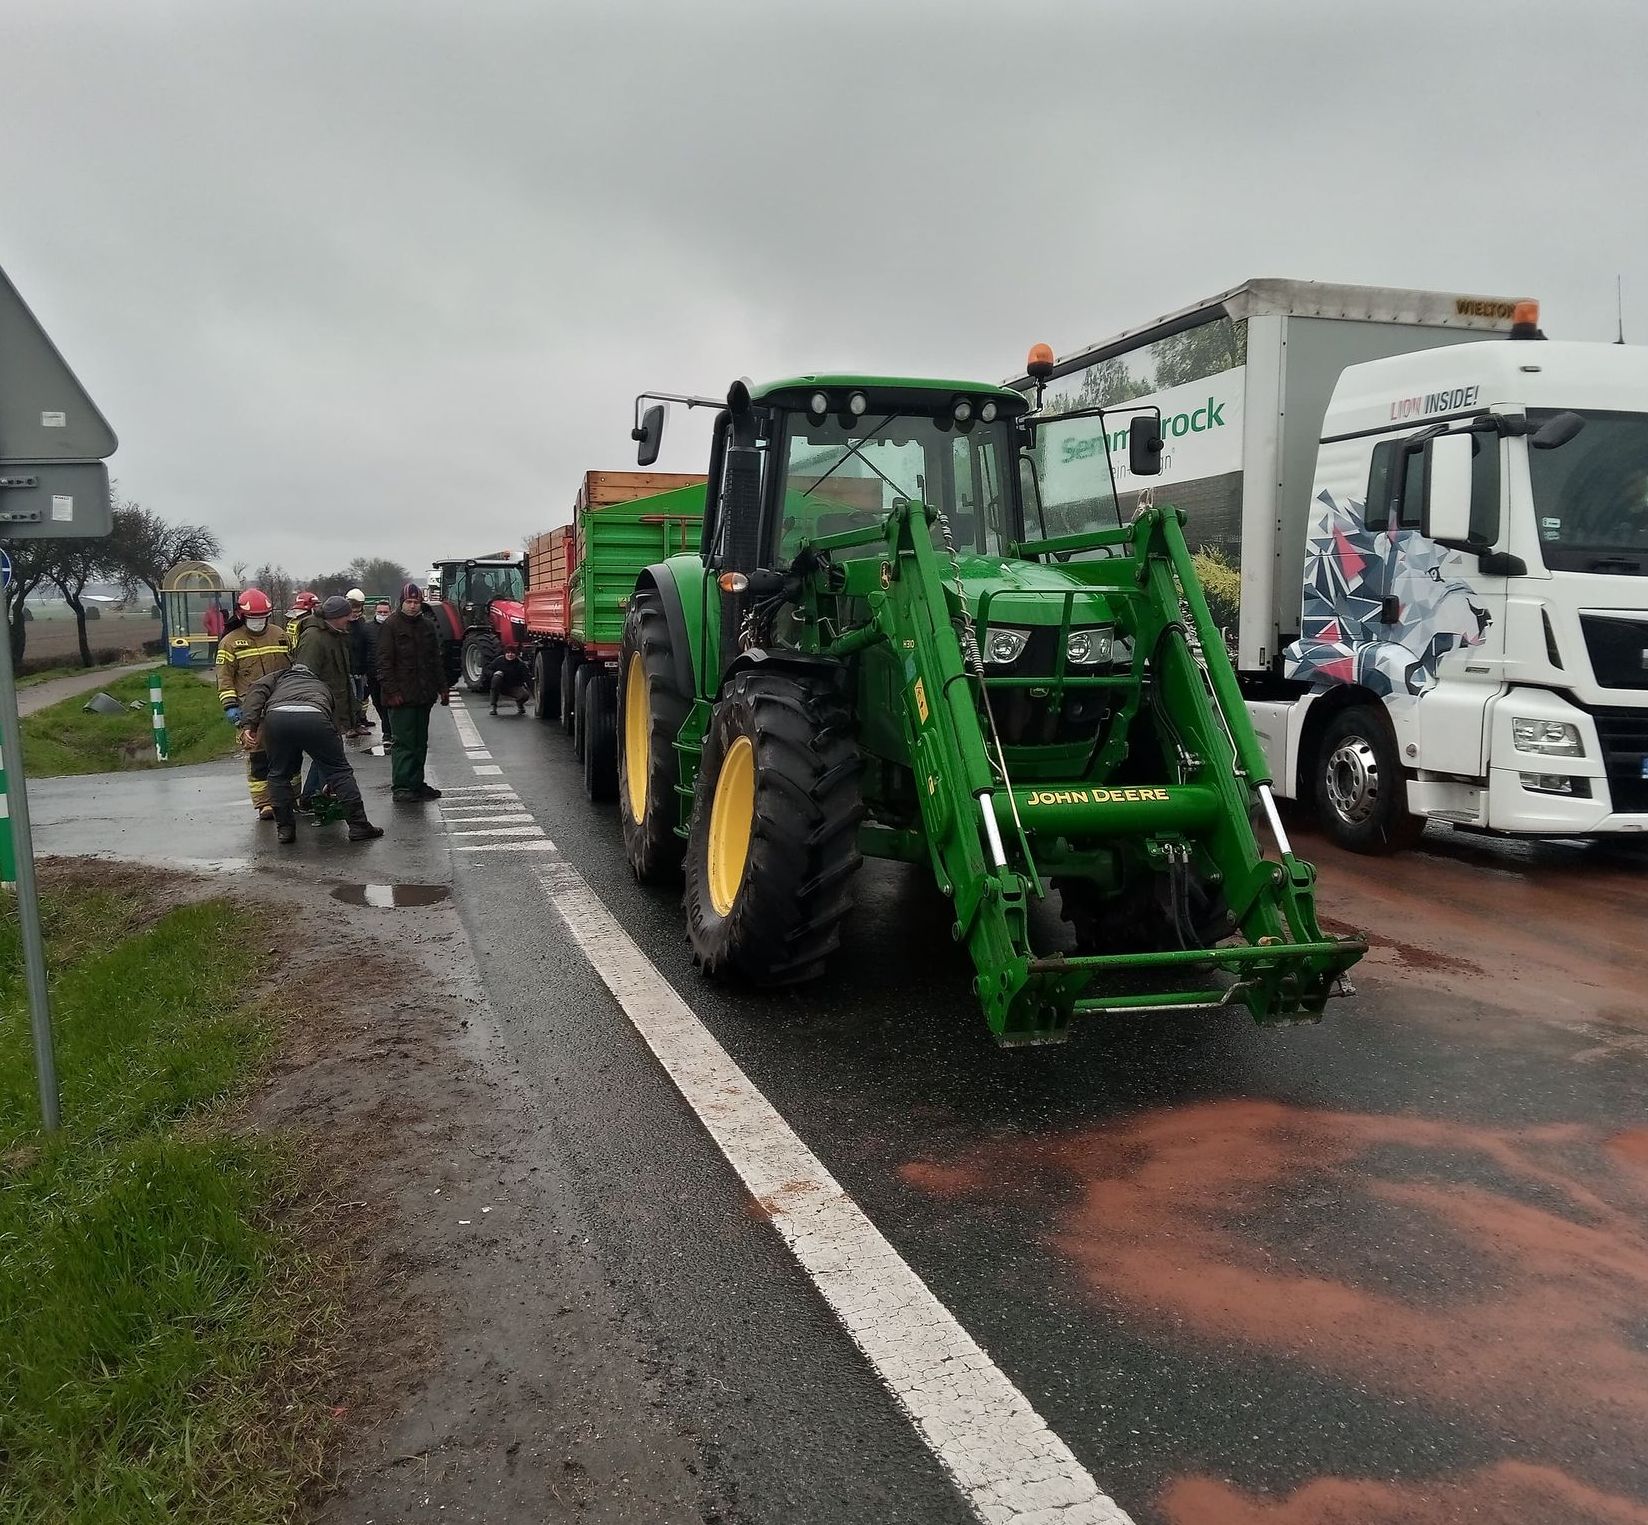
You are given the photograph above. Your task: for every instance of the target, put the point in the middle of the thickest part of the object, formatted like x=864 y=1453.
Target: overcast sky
x=383 y=278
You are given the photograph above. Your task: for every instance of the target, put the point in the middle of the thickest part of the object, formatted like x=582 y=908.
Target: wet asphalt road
x=1391 y=1267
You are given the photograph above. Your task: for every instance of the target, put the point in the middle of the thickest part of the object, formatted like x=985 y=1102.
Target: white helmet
x=355 y=596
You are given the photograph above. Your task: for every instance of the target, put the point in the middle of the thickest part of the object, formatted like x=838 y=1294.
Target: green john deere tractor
x=882 y=649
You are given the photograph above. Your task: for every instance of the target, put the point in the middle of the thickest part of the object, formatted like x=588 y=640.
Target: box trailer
x=1425 y=541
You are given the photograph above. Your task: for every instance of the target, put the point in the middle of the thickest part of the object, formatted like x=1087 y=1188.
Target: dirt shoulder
x=483 y=1369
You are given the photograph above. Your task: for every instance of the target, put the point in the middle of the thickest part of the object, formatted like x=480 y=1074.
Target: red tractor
x=478 y=611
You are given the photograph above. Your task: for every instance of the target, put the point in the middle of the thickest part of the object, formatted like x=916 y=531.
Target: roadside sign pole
x=28 y=901
x=157 y=716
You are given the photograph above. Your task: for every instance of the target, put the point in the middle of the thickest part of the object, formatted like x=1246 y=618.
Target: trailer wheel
x=580 y=695
x=1361 y=793
x=773 y=843
x=546 y=680
x=569 y=690
x=479 y=652
x=651 y=711
x=598 y=727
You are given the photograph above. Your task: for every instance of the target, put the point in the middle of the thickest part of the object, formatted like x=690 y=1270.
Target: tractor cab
x=478 y=608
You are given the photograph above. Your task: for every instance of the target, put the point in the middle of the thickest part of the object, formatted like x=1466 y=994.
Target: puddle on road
x=390 y=896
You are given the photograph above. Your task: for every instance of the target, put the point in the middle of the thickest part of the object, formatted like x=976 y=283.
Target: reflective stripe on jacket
x=244 y=656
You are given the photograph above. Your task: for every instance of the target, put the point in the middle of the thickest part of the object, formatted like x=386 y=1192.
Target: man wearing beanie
x=413 y=676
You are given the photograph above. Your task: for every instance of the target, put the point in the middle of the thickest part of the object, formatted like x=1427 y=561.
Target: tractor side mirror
x=650 y=436
x=1446 y=516
x=1144 y=446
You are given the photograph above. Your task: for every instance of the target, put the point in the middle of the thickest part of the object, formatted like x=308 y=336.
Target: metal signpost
x=53 y=485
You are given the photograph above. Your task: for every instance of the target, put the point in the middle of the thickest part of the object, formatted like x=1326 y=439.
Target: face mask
x=380 y=618
x=256 y=622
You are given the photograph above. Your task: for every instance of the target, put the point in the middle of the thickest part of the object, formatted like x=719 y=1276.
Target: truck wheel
x=1361 y=793
x=479 y=652
x=773 y=843
x=651 y=712
x=546 y=683
x=569 y=690
x=598 y=722
x=580 y=695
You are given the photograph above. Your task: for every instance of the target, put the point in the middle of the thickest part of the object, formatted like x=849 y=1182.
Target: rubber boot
x=361 y=829
x=286 y=827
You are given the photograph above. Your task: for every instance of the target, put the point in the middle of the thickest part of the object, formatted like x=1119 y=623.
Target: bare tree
x=30 y=566
x=144 y=548
x=71 y=564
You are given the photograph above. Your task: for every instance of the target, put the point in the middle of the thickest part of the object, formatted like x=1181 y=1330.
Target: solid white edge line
x=1008 y=1465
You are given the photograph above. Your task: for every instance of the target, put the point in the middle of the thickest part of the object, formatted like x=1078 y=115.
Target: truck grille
x=1618 y=648
x=1624 y=737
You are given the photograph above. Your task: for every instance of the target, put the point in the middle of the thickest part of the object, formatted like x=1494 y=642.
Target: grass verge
x=152 y=1314
x=63 y=738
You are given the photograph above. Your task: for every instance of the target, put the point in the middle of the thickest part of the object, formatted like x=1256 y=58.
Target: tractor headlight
x=988 y=413
x=1091 y=648
x=818 y=405
x=857 y=403
x=1552 y=738
x=1005 y=644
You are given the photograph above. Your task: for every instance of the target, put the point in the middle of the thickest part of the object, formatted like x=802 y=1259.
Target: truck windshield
x=1591 y=495
x=838 y=479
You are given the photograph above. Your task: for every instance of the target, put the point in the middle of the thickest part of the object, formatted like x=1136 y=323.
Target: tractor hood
x=1029 y=593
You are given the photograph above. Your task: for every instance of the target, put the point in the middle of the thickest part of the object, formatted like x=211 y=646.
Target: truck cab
x=1476 y=568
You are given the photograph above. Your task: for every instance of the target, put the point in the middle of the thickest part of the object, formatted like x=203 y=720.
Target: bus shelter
x=198 y=601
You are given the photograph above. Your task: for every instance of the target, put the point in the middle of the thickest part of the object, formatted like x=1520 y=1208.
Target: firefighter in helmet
x=247 y=652
x=304 y=607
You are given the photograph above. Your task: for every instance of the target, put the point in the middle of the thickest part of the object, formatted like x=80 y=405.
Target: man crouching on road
x=413 y=675
x=290 y=713
x=508 y=678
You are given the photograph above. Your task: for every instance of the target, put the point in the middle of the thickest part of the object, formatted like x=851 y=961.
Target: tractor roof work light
x=857 y=404
x=963 y=411
x=1525 y=321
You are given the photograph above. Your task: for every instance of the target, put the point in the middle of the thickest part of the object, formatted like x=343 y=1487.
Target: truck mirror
x=1446 y=515
x=1556 y=432
x=1144 y=446
x=650 y=436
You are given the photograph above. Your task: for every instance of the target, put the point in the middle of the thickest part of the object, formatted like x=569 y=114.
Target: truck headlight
x=1091 y=648
x=1005 y=644
x=1552 y=738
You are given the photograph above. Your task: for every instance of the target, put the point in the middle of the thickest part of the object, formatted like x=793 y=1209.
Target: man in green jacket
x=412 y=673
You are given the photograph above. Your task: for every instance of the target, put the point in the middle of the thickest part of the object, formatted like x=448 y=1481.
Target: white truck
x=1427 y=539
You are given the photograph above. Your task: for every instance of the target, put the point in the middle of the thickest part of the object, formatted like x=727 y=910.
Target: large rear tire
x=569 y=689
x=1361 y=791
x=651 y=711
x=773 y=843
x=580 y=694
x=546 y=681
x=597 y=721
x=480 y=650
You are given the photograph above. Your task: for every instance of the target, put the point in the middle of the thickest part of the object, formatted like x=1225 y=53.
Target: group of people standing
x=298 y=692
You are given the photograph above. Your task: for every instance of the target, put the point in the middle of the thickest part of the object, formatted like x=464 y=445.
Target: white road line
x=482 y=755
x=467 y=733
x=534 y=845
x=513 y=819
x=1010 y=1467
x=488 y=768
x=483 y=802
x=503 y=831
x=481 y=789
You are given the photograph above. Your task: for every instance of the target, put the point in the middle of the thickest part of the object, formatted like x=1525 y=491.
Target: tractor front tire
x=773 y=843
x=598 y=725
x=651 y=712
x=479 y=652
x=546 y=682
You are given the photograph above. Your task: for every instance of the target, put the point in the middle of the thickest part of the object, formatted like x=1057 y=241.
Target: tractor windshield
x=839 y=478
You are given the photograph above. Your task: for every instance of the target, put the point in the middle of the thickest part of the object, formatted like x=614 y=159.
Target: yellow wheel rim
x=732 y=814
x=637 y=738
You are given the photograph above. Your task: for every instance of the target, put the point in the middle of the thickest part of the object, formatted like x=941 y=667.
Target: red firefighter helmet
x=253 y=602
x=306 y=600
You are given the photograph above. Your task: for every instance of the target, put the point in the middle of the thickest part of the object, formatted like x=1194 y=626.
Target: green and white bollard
x=8 y=850
x=157 y=716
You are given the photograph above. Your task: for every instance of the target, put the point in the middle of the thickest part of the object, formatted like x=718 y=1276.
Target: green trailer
x=878 y=650
x=579 y=580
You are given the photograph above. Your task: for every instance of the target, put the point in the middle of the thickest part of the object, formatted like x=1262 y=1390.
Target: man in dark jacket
x=508 y=678
x=371 y=629
x=323 y=647
x=413 y=675
x=290 y=713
